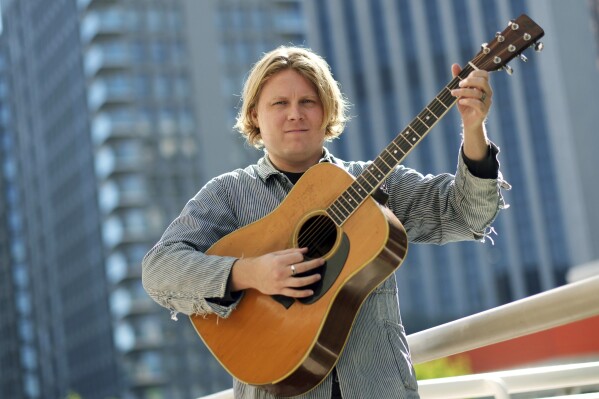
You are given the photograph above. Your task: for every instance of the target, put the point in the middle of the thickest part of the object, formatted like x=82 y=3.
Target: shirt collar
x=265 y=168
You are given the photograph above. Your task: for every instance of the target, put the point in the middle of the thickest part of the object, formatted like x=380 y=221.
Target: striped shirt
x=375 y=362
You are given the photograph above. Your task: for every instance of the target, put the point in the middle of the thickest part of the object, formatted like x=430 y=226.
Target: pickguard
x=329 y=272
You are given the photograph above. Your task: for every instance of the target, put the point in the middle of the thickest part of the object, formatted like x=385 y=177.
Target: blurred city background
x=114 y=113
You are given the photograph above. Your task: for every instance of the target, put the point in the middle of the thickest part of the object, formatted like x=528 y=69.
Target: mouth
x=296 y=131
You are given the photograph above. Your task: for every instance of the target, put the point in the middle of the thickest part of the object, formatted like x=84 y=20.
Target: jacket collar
x=265 y=167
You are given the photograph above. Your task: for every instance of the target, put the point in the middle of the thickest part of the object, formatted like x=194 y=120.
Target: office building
x=119 y=111
x=104 y=152
x=393 y=57
x=59 y=310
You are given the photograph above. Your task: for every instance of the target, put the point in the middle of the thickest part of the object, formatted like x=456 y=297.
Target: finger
x=455 y=70
x=299 y=282
x=479 y=73
x=297 y=270
x=291 y=251
x=290 y=257
x=473 y=93
x=475 y=104
x=293 y=293
x=468 y=92
x=483 y=96
x=309 y=265
x=478 y=82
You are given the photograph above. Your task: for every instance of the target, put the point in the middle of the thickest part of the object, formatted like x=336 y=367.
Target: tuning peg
x=539 y=46
x=485 y=48
x=523 y=58
x=508 y=69
x=500 y=37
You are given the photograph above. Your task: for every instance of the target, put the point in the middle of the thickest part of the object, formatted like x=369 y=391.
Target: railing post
x=499 y=387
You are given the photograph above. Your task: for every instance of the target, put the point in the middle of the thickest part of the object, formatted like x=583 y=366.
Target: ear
x=254 y=116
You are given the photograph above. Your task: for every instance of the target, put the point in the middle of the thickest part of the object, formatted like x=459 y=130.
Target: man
x=291 y=106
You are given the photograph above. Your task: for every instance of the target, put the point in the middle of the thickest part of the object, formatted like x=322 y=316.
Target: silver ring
x=483 y=97
x=293 y=270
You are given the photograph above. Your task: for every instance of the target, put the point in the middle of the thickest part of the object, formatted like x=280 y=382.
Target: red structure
x=575 y=342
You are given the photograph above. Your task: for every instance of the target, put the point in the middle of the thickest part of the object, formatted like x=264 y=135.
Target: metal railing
x=503 y=383
x=552 y=308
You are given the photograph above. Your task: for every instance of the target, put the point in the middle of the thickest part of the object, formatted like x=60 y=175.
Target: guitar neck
x=382 y=166
x=518 y=36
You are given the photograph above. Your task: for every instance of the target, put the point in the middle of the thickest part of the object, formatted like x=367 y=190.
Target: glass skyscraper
x=60 y=315
x=101 y=148
x=393 y=57
x=114 y=113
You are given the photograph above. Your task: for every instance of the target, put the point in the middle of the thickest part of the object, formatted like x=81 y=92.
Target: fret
x=446 y=99
x=411 y=135
x=365 y=184
x=373 y=176
x=335 y=217
x=362 y=192
x=343 y=206
x=437 y=108
x=396 y=152
x=404 y=144
x=427 y=116
x=419 y=127
x=334 y=211
x=336 y=207
x=384 y=154
x=454 y=84
x=375 y=173
x=357 y=197
x=370 y=178
x=380 y=173
x=423 y=121
x=349 y=201
x=492 y=57
x=359 y=192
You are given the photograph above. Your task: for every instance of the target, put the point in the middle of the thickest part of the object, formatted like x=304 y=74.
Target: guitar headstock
x=520 y=34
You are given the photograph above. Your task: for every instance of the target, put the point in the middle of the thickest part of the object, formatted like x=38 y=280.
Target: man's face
x=289 y=114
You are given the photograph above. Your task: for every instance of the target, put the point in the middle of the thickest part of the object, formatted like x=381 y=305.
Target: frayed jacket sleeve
x=177 y=273
x=445 y=208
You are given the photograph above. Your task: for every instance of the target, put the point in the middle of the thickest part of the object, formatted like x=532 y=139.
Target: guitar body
x=289 y=350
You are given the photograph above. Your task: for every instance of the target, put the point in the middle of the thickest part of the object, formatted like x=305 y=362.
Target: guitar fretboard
x=373 y=176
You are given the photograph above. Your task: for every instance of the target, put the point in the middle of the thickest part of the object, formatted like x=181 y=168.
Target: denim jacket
x=375 y=362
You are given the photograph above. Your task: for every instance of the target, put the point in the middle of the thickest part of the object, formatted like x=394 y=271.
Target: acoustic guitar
x=288 y=346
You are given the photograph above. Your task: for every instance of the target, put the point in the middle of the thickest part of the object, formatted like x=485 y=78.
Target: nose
x=295 y=113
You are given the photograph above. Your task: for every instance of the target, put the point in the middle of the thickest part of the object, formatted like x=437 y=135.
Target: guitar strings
x=320 y=230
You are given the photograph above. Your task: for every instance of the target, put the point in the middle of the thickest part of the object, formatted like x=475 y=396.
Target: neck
x=290 y=166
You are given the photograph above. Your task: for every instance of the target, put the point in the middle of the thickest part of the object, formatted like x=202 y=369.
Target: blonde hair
x=308 y=64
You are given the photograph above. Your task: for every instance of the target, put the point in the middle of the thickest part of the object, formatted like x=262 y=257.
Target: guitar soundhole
x=319 y=234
